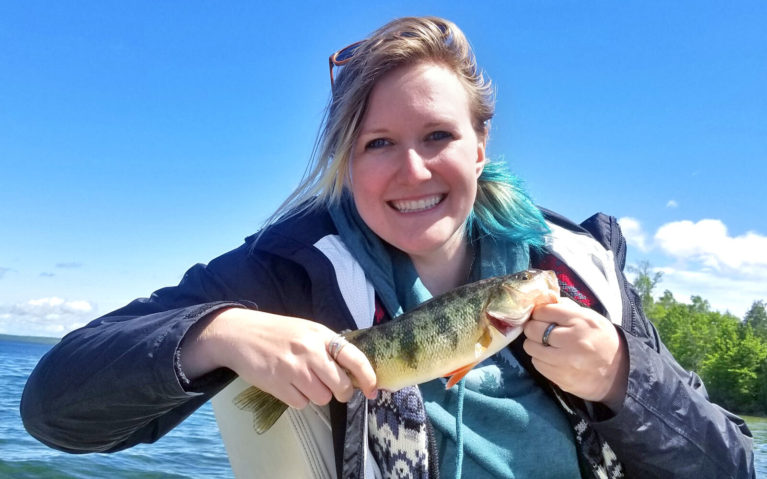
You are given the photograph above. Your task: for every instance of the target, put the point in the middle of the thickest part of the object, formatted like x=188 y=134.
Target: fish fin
x=266 y=408
x=458 y=374
x=483 y=342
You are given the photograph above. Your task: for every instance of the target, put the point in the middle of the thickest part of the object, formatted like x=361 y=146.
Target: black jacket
x=115 y=382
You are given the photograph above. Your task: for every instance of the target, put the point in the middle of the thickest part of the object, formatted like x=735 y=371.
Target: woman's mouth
x=415 y=206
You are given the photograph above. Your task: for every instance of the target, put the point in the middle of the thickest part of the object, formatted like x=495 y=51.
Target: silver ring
x=336 y=345
x=547 y=333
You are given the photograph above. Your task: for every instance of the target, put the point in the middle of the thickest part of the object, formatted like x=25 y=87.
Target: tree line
x=727 y=352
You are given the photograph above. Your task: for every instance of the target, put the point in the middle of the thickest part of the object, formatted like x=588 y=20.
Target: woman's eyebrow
x=374 y=131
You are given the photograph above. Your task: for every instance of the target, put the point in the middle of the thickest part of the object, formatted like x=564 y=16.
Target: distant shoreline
x=29 y=339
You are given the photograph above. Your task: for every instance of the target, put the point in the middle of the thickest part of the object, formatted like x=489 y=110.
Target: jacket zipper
x=620 y=262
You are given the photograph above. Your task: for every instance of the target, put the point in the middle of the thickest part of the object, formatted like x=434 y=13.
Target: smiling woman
x=400 y=203
x=415 y=167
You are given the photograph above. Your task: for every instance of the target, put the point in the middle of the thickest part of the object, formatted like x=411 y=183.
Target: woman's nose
x=414 y=167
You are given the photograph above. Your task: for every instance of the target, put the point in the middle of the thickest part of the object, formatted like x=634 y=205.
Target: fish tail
x=266 y=408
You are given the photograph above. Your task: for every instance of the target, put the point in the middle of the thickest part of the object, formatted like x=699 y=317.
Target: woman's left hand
x=585 y=356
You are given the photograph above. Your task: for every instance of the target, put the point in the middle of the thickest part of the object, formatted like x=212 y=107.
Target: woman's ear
x=481 y=149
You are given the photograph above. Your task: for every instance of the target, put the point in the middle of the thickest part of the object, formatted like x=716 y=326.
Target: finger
x=562 y=312
x=311 y=386
x=336 y=379
x=536 y=330
x=291 y=396
x=357 y=365
x=538 y=351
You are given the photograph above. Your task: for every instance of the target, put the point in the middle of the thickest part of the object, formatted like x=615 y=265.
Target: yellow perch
x=445 y=336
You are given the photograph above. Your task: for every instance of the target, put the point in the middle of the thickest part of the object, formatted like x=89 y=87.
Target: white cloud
x=703 y=259
x=708 y=244
x=672 y=204
x=51 y=316
x=632 y=230
x=79 y=306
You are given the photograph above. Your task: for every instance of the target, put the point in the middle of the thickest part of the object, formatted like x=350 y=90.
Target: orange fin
x=458 y=374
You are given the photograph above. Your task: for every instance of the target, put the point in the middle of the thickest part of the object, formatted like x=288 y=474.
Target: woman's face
x=417 y=159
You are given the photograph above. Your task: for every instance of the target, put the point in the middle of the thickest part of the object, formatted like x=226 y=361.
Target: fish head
x=512 y=301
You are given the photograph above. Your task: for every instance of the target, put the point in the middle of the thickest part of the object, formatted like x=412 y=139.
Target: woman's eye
x=439 y=135
x=377 y=143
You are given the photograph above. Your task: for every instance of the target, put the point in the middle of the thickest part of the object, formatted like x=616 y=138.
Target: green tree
x=762 y=380
x=734 y=367
x=730 y=355
x=699 y=305
x=661 y=307
x=645 y=282
x=688 y=332
x=667 y=300
x=756 y=318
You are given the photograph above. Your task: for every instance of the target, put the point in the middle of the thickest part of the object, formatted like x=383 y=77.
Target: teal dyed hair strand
x=503 y=209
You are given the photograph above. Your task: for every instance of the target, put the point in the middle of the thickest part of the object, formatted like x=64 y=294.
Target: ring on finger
x=336 y=345
x=547 y=333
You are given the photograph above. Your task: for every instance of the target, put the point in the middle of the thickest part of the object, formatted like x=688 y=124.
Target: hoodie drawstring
x=459 y=429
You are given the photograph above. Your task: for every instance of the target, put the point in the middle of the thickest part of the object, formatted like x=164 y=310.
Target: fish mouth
x=416 y=206
x=507 y=325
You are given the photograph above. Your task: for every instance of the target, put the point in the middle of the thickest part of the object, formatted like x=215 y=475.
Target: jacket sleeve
x=115 y=382
x=667 y=426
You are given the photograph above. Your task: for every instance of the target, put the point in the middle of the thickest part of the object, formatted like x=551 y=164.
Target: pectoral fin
x=480 y=347
x=458 y=374
x=483 y=342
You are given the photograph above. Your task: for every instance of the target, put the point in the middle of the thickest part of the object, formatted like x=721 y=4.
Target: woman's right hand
x=284 y=356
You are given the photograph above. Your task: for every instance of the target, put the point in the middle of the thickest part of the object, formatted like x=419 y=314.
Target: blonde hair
x=404 y=41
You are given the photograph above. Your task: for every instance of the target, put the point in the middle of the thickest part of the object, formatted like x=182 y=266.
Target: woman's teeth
x=411 y=206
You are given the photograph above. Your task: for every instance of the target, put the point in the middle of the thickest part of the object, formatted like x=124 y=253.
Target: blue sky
x=139 y=138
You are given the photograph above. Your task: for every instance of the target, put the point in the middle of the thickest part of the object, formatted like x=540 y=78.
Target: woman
x=401 y=204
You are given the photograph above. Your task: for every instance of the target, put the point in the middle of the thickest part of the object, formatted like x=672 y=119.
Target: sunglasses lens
x=346 y=53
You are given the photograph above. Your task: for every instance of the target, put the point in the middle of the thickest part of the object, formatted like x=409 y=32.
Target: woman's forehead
x=424 y=87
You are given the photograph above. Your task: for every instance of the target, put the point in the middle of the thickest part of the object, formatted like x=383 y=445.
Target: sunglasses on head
x=344 y=55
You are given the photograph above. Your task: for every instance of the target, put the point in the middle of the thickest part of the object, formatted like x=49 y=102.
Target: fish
x=445 y=336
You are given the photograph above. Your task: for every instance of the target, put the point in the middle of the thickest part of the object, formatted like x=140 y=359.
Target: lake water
x=192 y=450
x=758 y=426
